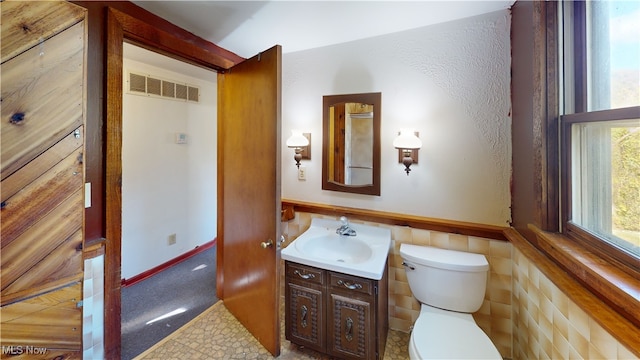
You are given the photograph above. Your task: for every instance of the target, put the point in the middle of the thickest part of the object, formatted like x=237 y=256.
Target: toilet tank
x=446 y=279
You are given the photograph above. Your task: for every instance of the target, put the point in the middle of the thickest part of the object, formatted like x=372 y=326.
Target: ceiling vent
x=149 y=85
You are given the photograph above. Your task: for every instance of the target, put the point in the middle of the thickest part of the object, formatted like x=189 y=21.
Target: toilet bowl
x=450 y=286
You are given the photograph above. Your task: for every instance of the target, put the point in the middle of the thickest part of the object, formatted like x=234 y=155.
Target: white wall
x=449 y=81
x=167 y=188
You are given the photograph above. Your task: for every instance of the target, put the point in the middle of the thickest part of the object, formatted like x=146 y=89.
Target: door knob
x=266 y=244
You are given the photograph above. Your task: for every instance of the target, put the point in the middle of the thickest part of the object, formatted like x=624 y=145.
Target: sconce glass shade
x=407 y=140
x=297 y=140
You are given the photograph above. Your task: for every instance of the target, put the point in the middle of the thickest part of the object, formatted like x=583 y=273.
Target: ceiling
x=248 y=27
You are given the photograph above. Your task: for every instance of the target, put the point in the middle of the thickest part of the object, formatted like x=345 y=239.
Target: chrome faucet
x=345 y=229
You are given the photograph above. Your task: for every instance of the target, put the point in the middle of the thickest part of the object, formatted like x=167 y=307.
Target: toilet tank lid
x=444 y=259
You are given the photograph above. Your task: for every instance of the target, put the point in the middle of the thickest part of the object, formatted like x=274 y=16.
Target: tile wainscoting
x=93 y=309
x=524 y=313
x=495 y=315
x=549 y=325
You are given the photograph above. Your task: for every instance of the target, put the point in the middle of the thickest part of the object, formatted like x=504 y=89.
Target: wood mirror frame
x=333 y=132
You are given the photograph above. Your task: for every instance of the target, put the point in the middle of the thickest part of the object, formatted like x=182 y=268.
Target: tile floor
x=216 y=334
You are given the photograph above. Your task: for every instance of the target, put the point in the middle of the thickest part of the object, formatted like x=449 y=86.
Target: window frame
x=582 y=115
x=611 y=274
x=570 y=228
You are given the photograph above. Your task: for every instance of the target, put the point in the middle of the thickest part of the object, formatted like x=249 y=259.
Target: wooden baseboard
x=149 y=273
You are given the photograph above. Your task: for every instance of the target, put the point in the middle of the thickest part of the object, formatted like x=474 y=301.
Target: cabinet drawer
x=350 y=283
x=304 y=274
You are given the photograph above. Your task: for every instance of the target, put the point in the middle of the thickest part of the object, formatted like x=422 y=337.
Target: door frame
x=179 y=45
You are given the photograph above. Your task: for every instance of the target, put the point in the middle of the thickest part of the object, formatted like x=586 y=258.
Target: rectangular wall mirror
x=351 y=143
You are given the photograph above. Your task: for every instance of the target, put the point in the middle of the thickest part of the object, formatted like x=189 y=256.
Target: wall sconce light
x=408 y=145
x=300 y=143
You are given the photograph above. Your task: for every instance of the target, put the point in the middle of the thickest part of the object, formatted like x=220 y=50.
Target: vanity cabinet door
x=350 y=327
x=338 y=314
x=304 y=313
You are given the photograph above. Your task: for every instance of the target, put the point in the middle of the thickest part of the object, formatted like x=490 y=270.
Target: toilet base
x=442 y=334
x=413 y=351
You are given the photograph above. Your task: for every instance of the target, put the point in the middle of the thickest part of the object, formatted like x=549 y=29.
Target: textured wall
x=451 y=82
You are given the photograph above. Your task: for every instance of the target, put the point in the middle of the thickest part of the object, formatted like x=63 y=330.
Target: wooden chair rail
x=389 y=218
x=93 y=248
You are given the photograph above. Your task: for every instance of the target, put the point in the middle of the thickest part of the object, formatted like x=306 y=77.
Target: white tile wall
x=93 y=309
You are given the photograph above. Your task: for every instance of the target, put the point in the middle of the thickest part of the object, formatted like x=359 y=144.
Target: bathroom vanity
x=336 y=289
x=338 y=314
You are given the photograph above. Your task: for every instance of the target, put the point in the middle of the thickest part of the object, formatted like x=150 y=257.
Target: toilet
x=450 y=285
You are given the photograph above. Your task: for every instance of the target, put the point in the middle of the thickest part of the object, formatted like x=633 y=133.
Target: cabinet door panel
x=350 y=334
x=305 y=316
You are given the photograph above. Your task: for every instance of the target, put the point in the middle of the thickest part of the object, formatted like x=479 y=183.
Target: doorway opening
x=169 y=150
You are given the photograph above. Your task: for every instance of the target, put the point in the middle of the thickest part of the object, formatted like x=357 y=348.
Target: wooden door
x=249 y=194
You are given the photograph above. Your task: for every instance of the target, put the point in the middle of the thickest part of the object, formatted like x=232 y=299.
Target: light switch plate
x=87 y=195
x=302 y=173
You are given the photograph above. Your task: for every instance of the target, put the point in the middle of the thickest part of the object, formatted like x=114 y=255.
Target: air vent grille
x=153 y=86
x=168 y=89
x=194 y=94
x=137 y=83
x=181 y=91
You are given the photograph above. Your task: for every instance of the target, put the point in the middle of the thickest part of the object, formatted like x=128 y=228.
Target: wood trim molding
x=418 y=222
x=93 y=248
x=113 y=188
x=545 y=115
x=174 y=43
x=608 y=315
x=176 y=260
x=612 y=282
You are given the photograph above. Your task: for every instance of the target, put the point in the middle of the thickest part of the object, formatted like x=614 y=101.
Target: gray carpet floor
x=184 y=290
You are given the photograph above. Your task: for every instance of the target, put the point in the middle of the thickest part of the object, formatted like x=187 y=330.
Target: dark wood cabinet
x=338 y=314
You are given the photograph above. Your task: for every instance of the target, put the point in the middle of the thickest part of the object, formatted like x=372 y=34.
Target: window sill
x=615 y=284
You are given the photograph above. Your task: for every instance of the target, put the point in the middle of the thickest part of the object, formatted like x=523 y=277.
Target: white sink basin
x=362 y=255
x=333 y=247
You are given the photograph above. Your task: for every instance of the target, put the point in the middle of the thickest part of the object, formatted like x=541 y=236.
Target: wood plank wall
x=42 y=171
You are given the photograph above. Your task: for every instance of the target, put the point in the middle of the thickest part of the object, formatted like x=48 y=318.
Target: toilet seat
x=441 y=334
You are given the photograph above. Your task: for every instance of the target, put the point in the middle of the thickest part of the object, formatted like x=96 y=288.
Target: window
x=600 y=80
